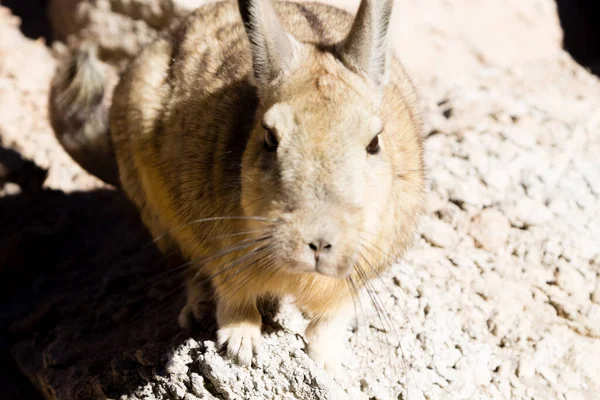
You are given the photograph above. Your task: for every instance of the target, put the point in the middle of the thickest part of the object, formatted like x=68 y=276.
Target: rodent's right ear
x=366 y=47
x=274 y=51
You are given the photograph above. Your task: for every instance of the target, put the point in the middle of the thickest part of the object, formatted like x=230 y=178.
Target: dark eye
x=373 y=147
x=271 y=142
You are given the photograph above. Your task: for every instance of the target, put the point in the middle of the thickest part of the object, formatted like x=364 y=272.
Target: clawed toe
x=242 y=340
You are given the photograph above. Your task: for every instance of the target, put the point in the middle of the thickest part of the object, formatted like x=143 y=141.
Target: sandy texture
x=499 y=298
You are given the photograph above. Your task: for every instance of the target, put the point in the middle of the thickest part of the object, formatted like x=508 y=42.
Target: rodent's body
x=182 y=122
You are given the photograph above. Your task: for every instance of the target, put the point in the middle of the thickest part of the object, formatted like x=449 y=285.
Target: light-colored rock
x=528 y=212
x=519 y=136
x=490 y=229
x=439 y=233
x=595 y=297
x=570 y=280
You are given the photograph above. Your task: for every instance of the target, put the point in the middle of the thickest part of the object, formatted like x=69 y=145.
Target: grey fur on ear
x=366 y=47
x=273 y=49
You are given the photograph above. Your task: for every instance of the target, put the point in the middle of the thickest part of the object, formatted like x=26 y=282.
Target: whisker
x=244 y=217
x=389 y=258
x=383 y=316
x=209 y=219
x=228 y=250
x=390 y=323
x=355 y=294
x=235 y=263
x=134 y=253
x=249 y=274
x=175 y=270
x=151 y=306
x=243 y=233
x=268 y=264
x=379 y=276
x=154 y=278
x=379 y=308
x=229 y=266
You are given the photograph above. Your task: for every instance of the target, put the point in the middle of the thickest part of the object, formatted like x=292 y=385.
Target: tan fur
x=186 y=123
x=80 y=96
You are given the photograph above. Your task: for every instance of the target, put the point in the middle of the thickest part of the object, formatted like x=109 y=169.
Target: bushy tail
x=79 y=104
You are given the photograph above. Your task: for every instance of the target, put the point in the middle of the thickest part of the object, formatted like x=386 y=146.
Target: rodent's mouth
x=298 y=267
x=339 y=273
x=332 y=271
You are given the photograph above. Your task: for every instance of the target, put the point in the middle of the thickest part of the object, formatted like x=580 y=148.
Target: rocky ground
x=498 y=299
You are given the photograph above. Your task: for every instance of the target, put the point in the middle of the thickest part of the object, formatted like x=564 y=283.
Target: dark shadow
x=34 y=17
x=29 y=177
x=580 y=22
x=86 y=306
x=25 y=173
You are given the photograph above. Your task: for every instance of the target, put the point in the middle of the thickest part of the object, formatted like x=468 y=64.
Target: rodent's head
x=320 y=159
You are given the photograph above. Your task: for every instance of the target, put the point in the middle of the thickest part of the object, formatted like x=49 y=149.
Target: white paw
x=243 y=341
x=327 y=357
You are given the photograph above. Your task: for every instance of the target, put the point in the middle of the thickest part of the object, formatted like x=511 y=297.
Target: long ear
x=273 y=50
x=365 y=48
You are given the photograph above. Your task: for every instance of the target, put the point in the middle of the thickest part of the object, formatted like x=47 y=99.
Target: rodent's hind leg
x=239 y=325
x=199 y=300
x=269 y=306
x=325 y=335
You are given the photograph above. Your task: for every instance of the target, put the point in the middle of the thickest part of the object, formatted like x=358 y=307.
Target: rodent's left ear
x=274 y=51
x=365 y=49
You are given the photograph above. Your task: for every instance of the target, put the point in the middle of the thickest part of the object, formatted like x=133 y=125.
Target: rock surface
x=438 y=38
x=490 y=229
x=499 y=298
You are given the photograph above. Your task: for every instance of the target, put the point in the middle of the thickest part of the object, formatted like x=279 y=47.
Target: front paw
x=326 y=356
x=243 y=341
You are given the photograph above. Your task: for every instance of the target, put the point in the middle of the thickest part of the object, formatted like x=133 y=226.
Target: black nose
x=319 y=246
